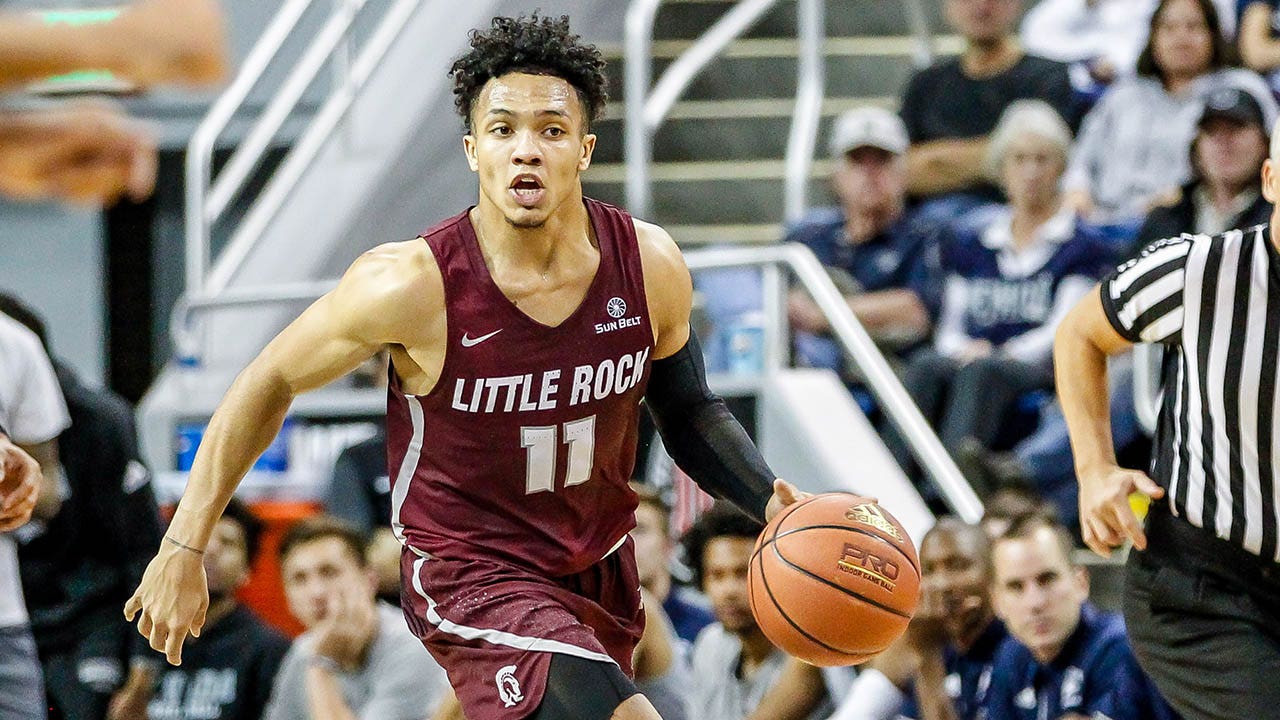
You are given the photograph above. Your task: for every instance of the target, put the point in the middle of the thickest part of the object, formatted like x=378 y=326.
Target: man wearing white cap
x=879 y=258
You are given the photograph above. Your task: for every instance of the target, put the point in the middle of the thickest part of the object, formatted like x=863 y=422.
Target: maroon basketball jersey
x=523 y=449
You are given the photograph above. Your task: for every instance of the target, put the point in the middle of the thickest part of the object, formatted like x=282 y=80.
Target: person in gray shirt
x=734 y=664
x=356 y=659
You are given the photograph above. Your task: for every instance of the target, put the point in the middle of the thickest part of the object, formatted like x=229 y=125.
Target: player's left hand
x=784 y=494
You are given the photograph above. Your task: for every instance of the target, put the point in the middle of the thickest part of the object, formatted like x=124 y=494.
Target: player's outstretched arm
x=382 y=299
x=1083 y=342
x=701 y=434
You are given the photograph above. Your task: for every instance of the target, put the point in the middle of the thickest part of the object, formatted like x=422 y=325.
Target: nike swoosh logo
x=472 y=342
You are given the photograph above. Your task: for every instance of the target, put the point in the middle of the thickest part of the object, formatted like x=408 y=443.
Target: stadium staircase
x=719 y=157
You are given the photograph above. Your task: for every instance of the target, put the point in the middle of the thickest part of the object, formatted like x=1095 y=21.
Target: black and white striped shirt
x=1214 y=302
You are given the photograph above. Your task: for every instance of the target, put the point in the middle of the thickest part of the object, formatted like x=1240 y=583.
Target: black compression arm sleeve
x=701 y=434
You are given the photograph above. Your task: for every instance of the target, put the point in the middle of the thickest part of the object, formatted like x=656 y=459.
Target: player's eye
x=501 y=130
x=555 y=132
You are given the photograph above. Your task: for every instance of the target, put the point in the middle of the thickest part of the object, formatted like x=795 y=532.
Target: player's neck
x=535 y=248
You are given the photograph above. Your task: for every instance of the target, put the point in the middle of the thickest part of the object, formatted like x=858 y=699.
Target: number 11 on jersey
x=540 y=443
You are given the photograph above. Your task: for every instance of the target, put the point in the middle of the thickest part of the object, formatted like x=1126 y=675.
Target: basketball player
x=523 y=333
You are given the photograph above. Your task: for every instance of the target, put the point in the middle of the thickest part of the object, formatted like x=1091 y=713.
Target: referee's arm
x=1084 y=341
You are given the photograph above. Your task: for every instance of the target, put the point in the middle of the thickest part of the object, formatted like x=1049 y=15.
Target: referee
x=1202 y=598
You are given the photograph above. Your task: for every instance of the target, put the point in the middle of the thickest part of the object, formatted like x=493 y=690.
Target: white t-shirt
x=32 y=411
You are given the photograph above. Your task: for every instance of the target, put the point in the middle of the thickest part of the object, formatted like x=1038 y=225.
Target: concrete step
x=725 y=129
x=765 y=69
x=684 y=19
x=711 y=192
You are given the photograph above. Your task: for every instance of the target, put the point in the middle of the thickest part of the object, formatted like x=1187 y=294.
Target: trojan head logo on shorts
x=508 y=686
x=858 y=561
x=869 y=514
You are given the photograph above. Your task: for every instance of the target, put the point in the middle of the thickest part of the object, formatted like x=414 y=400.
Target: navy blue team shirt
x=1095 y=672
x=968 y=674
x=998 y=307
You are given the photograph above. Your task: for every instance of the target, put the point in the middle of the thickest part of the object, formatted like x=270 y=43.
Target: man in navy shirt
x=941 y=668
x=1066 y=659
x=878 y=257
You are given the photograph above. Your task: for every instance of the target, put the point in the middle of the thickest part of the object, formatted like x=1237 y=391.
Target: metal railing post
x=810 y=82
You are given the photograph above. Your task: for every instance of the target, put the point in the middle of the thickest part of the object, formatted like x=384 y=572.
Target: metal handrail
x=848 y=332
x=646 y=110
x=859 y=347
x=919 y=22
x=810 y=88
x=205 y=205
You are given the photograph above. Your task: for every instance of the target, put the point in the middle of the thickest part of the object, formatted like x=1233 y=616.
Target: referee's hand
x=1106 y=517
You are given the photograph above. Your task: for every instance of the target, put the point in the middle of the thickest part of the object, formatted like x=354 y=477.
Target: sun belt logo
x=508 y=686
x=617 y=309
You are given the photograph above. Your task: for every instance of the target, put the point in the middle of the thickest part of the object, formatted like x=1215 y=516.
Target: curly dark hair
x=536 y=45
x=722 y=520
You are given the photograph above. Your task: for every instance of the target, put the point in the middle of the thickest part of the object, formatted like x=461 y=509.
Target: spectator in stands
x=1068 y=657
x=356 y=655
x=1006 y=288
x=80 y=565
x=734 y=664
x=879 y=258
x=1260 y=39
x=685 y=608
x=227 y=673
x=1132 y=153
x=1099 y=39
x=951 y=107
x=941 y=668
x=33 y=414
x=1230 y=144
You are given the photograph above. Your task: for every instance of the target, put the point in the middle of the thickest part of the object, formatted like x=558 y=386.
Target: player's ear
x=588 y=147
x=1268 y=181
x=469 y=148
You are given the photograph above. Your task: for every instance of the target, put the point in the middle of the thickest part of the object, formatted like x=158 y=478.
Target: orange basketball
x=834 y=579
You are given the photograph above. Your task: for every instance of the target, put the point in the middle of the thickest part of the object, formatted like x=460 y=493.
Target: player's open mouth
x=527 y=189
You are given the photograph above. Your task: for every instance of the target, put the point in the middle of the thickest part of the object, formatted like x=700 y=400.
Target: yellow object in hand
x=1139 y=503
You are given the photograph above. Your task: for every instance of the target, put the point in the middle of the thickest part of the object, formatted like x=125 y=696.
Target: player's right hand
x=1106 y=517
x=171 y=600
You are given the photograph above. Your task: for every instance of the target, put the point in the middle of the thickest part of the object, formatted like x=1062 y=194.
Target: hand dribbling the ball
x=784 y=494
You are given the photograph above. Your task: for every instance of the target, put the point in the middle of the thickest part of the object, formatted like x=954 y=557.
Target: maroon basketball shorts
x=494 y=626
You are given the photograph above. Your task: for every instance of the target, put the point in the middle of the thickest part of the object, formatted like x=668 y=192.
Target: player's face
x=1183 y=43
x=226 y=559
x=653 y=547
x=529 y=144
x=953 y=566
x=870 y=179
x=1229 y=152
x=1037 y=592
x=315 y=573
x=1032 y=170
x=983 y=21
x=724 y=580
